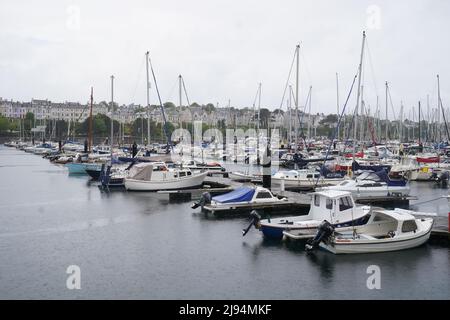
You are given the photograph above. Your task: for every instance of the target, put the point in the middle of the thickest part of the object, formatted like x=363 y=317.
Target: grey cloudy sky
x=223 y=49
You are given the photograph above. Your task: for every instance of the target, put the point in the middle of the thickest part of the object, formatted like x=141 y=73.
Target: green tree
x=4 y=125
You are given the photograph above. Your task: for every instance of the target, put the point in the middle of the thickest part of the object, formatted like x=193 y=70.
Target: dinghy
x=386 y=230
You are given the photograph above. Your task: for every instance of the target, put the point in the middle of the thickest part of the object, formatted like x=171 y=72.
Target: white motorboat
x=157 y=176
x=386 y=230
x=372 y=184
x=335 y=206
x=304 y=178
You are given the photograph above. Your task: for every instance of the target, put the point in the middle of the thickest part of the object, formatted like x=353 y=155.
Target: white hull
x=367 y=244
x=170 y=184
x=383 y=191
x=307 y=182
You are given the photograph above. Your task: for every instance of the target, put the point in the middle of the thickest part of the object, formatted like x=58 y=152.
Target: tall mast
x=112 y=113
x=181 y=102
x=359 y=94
x=290 y=116
x=258 y=124
x=296 y=91
x=386 y=129
x=419 y=125
x=90 y=122
x=148 y=99
x=337 y=103
x=442 y=108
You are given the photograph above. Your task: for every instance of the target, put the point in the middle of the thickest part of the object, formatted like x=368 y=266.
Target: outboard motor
x=444 y=178
x=205 y=199
x=324 y=231
x=255 y=218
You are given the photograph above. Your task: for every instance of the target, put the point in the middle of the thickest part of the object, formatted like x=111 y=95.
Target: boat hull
x=175 y=184
x=275 y=230
x=379 y=245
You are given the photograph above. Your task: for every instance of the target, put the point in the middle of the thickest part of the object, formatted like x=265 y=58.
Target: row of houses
x=77 y=112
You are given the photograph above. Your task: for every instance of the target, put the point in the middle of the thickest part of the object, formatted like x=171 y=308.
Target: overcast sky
x=57 y=49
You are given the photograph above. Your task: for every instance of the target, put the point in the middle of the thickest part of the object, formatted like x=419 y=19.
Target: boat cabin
x=332 y=205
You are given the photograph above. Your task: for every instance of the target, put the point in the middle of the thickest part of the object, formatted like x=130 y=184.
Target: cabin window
x=329 y=204
x=189 y=173
x=317 y=201
x=182 y=174
x=316 y=176
x=409 y=225
x=345 y=203
x=263 y=195
x=309 y=176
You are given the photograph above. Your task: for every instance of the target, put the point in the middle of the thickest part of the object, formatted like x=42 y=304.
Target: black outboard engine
x=444 y=178
x=205 y=199
x=324 y=231
x=255 y=218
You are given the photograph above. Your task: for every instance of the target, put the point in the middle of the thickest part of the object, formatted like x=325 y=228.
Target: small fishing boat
x=336 y=206
x=386 y=230
x=157 y=176
x=242 y=198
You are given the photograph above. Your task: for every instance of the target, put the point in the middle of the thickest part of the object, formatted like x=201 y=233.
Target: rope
x=339 y=122
x=417 y=203
x=287 y=81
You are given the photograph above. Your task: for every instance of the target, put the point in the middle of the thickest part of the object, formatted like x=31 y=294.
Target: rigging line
x=308 y=74
x=185 y=91
x=138 y=79
x=289 y=77
x=372 y=70
x=170 y=93
x=169 y=142
x=338 y=124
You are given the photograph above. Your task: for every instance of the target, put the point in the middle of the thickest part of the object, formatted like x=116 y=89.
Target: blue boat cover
x=238 y=195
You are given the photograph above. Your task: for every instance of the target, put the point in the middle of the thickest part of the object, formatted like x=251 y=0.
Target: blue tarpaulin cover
x=238 y=195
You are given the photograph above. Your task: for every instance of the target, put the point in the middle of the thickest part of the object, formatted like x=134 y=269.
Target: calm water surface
x=138 y=245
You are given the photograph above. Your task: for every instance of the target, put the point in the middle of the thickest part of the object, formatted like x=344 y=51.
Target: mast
x=386 y=93
x=296 y=91
x=442 y=108
x=258 y=124
x=90 y=122
x=359 y=94
x=181 y=102
x=419 y=124
x=112 y=114
x=337 y=103
x=148 y=99
x=290 y=117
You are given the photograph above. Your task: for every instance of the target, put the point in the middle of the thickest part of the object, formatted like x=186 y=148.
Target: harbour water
x=138 y=245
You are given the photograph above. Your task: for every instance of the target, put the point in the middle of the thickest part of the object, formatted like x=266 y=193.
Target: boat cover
x=242 y=194
x=383 y=175
x=375 y=168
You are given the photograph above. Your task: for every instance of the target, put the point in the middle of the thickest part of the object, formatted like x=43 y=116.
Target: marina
x=245 y=152
x=147 y=238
